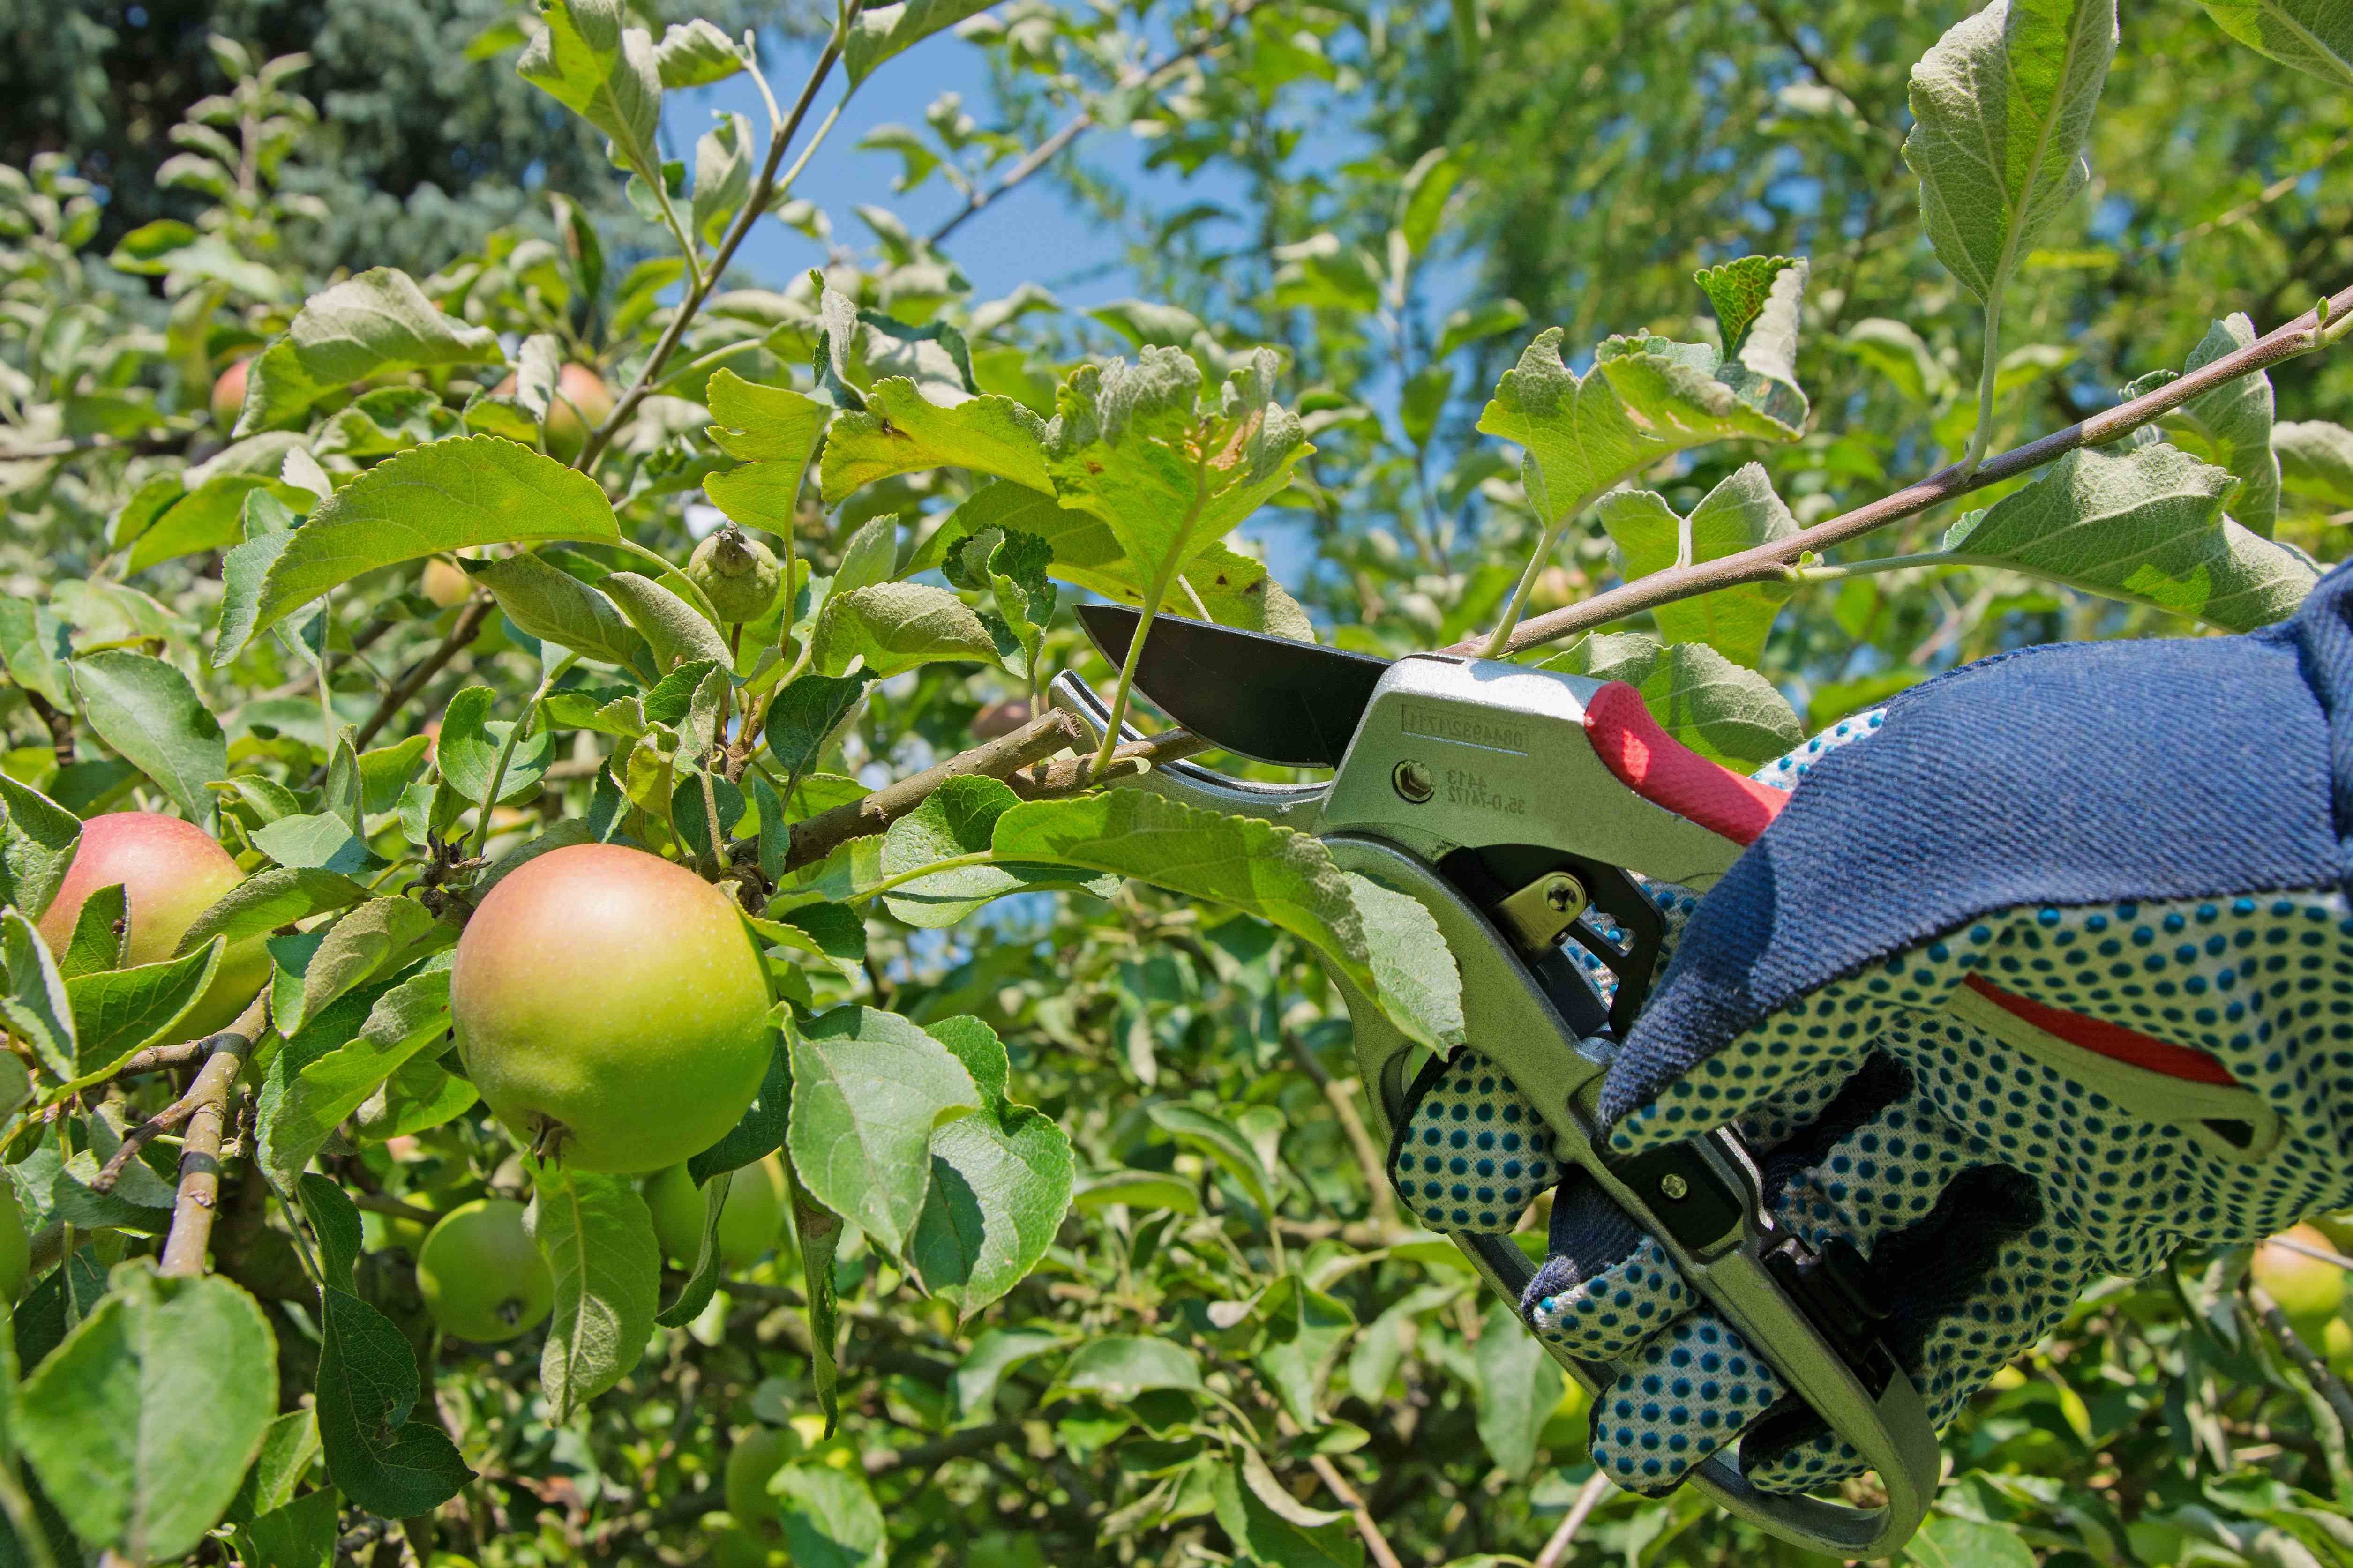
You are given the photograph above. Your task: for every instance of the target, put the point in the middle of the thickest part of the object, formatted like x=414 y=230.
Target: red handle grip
x=1665 y=772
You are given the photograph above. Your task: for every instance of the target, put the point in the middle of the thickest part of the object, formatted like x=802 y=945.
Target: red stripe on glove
x=2112 y=1041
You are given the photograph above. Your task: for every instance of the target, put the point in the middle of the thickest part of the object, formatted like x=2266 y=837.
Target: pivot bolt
x=1413 y=781
x=1672 y=1187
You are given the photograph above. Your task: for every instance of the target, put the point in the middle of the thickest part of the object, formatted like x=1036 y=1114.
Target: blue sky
x=1032 y=234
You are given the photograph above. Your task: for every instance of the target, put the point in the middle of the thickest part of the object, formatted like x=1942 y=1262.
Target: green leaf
x=146 y=711
x=1737 y=514
x=314 y=841
x=288 y=1448
x=1757 y=300
x=1726 y=712
x=1948 y=1542
x=695 y=53
x=993 y=1354
x=212 y=516
x=722 y=176
x=869 y=1088
x=297 y=1116
x=384 y=1457
x=1411 y=966
x=1117 y=1367
x=882 y=31
x=1168 y=472
x=2314 y=36
x=38 y=841
x=335 y=1221
x=35 y=648
x=1280 y=875
x=442 y=497
x=2000 y=108
x=829 y=1518
x=1000 y=1182
x=469 y=746
x=817 y=1233
x=1476 y=322
x=598 y=1236
x=142 y=1423
x=298 y=1534
x=1235 y=588
x=1305 y=1331
x=589 y=60
x=677 y=631
x=2144 y=523
x=1645 y=398
x=1422 y=197
x=37 y=1005
x=1210 y=1135
x=378 y=321
x=1519 y=1384
x=1898 y=352
x=899 y=431
x=1151 y=1190
x=2316 y=461
x=101 y=934
x=772 y=431
x=1262 y=1535
x=805 y=717
x=2233 y=423
x=373 y=939
x=267 y=900
x=119 y=1011
x=895 y=626
x=702 y=1280
x=958 y=819
x=555 y=606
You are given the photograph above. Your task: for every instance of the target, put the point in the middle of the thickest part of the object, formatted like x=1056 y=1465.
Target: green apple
x=582 y=402
x=739 y=574
x=611 y=1008
x=747 y=1220
x=480 y=1274
x=170 y=871
x=757 y=1455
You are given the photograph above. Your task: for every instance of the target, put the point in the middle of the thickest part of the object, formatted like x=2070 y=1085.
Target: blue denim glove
x=2048 y=976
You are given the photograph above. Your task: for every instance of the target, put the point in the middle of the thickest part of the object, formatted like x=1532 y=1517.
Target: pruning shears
x=1513 y=803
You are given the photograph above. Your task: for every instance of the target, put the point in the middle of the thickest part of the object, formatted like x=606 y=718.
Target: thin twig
x=1375 y=1542
x=393 y=1208
x=1051 y=147
x=164 y=1120
x=762 y=188
x=461 y=631
x=1051 y=781
x=819 y=835
x=2326 y=1382
x=1772 y=563
x=1555 y=1551
x=159 y=1059
x=2245 y=209
x=192 y=1214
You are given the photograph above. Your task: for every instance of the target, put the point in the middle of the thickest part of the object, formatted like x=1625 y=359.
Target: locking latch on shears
x=1520 y=806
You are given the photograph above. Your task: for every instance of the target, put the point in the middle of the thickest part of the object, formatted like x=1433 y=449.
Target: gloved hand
x=2048 y=974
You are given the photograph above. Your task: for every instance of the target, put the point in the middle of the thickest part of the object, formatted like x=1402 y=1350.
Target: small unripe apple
x=171 y=872
x=445 y=583
x=228 y=395
x=584 y=402
x=15 y=1247
x=757 y=1455
x=2309 y=1289
x=747 y=1220
x=611 y=1009
x=480 y=1274
x=739 y=574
